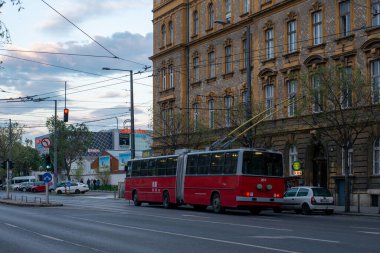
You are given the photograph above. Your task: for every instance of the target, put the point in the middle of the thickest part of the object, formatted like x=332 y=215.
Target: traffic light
x=48 y=161
x=65 y=115
x=4 y=164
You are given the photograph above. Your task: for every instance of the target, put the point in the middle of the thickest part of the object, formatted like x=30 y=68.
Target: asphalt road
x=99 y=223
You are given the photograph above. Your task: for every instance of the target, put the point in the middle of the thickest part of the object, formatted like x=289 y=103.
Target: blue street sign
x=47 y=177
x=68 y=184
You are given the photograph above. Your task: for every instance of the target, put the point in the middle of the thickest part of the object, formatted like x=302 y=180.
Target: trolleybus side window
x=128 y=169
x=135 y=168
x=262 y=164
x=171 y=166
x=192 y=163
x=203 y=164
x=161 y=166
x=230 y=164
x=152 y=171
x=217 y=163
x=144 y=168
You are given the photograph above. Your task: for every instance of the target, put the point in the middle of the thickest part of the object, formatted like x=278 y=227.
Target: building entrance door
x=320 y=172
x=340 y=191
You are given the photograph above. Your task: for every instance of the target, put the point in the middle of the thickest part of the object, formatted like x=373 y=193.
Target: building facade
x=201 y=54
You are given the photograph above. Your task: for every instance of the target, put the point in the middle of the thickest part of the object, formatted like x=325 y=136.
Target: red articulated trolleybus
x=241 y=178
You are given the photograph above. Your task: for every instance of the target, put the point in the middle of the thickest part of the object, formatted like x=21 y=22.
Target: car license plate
x=324 y=201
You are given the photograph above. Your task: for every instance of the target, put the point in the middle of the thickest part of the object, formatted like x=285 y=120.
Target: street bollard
x=378 y=203
x=358 y=202
x=114 y=194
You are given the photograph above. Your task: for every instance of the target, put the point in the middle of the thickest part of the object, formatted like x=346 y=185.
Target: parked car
x=52 y=189
x=71 y=187
x=26 y=186
x=306 y=199
x=39 y=187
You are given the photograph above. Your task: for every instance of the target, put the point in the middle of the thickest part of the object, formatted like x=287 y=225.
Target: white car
x=307 y=199
x=71 y=187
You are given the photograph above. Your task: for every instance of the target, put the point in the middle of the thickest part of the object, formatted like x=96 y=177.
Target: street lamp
x=132 y=110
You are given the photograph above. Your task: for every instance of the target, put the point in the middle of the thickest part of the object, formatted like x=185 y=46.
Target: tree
x=340 y=101
x=73 y=142
x=4 y=32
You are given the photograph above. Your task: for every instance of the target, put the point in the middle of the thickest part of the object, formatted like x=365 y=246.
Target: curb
x=358 y=214
x=26 y=204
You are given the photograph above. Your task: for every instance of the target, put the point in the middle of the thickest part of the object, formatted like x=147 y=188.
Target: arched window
x=196 y=116
x=228 y=107
x=211 y=16
x=163 y=35
x=376 y=157
x=170 y=32
x=211 y=115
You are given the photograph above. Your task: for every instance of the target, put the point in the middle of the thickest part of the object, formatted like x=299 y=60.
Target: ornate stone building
x=200 y=63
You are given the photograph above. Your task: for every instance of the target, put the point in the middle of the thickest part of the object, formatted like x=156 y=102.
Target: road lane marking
x=365 y=228
x=187 y=236
x=55 y=239
x=295 y=237
x=195 y=216
x=369 y=232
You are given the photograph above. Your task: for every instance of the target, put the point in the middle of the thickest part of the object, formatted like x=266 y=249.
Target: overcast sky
x=122 y=28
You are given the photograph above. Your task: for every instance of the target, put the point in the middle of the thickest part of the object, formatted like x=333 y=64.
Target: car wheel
x=24 y=189
x=77 y=191
x=59 y=192
x=298 y=211
x=215 y=202
x=136 y=199
x=306 y=209
x=34 y=190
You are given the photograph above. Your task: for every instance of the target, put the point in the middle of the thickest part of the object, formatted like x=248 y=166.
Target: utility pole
x=55 y=182
x=133 y=149
x=9 y=155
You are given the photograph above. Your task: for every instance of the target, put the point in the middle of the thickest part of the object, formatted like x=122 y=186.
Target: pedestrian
x=88 y=183
x=81 y=180
x=94 y=183
x=97 y=184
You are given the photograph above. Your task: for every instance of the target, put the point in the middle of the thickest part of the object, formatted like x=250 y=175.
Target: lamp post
x=132 y=110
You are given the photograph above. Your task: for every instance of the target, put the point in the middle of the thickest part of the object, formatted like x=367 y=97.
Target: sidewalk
x=364 y=211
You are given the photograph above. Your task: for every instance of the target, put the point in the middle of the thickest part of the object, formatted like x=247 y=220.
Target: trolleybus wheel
x=200 y=207
x=306 y=209
x=136 y=199
x=216 y=203
x=166 y=200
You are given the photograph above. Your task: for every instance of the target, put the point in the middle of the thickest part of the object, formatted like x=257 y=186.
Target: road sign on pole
x=47 y=178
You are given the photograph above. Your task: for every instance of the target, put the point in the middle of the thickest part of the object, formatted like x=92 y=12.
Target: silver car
x=306 y=199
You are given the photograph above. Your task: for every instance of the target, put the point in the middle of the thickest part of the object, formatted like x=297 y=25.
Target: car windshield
x=321 y=192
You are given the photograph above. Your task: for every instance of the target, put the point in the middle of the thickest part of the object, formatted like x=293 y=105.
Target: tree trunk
x=346 y=180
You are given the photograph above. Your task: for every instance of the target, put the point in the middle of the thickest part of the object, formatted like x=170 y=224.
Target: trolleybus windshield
x=262 y=164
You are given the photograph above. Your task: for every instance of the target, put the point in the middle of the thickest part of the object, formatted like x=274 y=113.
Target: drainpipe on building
x=187 y=72
x=249 y=84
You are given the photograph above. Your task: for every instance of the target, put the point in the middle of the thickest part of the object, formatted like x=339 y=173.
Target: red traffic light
x=65 y=115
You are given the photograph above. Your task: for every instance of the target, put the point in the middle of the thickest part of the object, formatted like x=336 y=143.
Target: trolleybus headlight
x=259 y=186
x=269 y=187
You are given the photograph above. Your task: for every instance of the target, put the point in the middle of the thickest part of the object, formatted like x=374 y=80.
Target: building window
x=163 y=35
x=376 y=157
x=350 y=153
x=269 y=42
x=196 y=69
x=293 y=157
x=228 y=56
x=211 y=16
x=196 y=116
x=246 y=6
x=292 y=90
x=164 y=125
x=171 y=81
x=375 y=77
x=292 y=36
x=244 y=96
x=171 y=121
x=228 y=106
x=346 y=93
x=244 y=53
x=317 y=93
x=345 y=18
x=211 y=113
x=170 y=32
x=317 y=28
x=211 y=64
x=269 y=91
x=164 y=85
x=375 y=12
x=195 y=23
x=228 y=10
